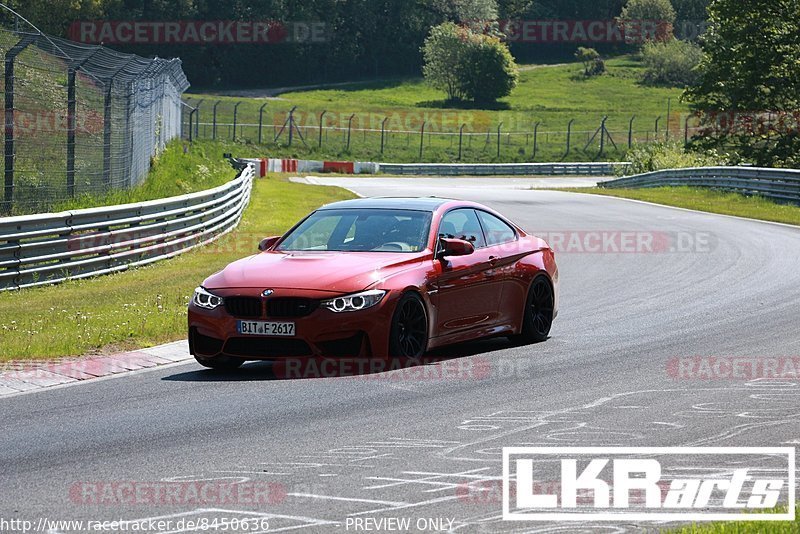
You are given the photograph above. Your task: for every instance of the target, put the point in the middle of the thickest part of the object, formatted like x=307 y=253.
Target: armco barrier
x=777 y=184
x=502 y=169
x=267 y=165
x=53 y=247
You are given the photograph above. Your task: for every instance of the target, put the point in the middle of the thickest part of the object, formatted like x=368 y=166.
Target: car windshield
x=361 y=230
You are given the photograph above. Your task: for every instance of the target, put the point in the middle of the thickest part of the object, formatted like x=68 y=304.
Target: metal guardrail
x=50 y=248
x=777 y=184
x=502 y=169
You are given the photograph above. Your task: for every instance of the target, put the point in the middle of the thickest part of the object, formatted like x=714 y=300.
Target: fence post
x=383 y=133
x=569 y=136
x=261 y=120
x=291 y=126
x=235 y=121
x=321 y=123
x=669 y=109
x=461 y=141
x=214 y=121
x=13 y=52
x=499 y=128
x=349 y=130
x=686 y=129
x=630 y=132
x=71 y=109
x=191 y=122
x=535 y=139
x=658 y=119
x=421 y=140
x=197 y=118
x=603 y=135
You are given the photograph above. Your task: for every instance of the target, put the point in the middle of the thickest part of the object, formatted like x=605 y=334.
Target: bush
x=671 y=155
x=468 y=65
x=638 y=12
x=489 y=71
x=675 y=63
x=593 y=65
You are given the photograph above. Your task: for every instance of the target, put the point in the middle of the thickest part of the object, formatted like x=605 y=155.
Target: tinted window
x=361 y=230
x=496 y=230
x=462 y=224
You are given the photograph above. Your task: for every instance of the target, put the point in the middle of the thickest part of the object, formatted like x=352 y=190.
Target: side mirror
x=455 y=247
x=268 y=242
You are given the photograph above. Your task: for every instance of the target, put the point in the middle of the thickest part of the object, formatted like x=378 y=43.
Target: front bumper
x=360 y=334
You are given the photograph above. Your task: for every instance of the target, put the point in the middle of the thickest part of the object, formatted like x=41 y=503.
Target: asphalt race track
x=409 y=444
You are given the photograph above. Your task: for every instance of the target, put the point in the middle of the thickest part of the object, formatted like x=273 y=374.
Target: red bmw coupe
x=377 y=278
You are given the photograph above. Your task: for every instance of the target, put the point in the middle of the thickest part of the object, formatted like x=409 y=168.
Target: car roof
x=430 y=204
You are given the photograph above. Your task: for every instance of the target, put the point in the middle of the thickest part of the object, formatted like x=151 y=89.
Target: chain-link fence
x=79 y=119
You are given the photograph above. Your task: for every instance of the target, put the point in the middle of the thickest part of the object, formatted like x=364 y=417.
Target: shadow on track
x=468 y=360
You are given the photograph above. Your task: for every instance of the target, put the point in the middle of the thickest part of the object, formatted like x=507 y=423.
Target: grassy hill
x=550 y=95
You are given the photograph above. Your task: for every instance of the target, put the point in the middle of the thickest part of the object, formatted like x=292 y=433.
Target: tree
x=444 y=53
x=592 y=63
x=489 y=71
x=465 y=10
x=468 y=65
x=660 y=10
x=752 y=68
x=648 y=20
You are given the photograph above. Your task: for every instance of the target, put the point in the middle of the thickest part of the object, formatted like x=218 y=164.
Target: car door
x=467 y=293
x=503 y=249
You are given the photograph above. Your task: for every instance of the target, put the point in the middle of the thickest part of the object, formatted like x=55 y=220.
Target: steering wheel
x=396 y=245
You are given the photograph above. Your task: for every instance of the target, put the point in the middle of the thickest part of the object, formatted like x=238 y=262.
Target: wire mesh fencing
x=425 y=136
x=79 y=119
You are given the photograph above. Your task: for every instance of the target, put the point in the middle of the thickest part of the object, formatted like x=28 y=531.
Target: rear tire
x=408 y=334
x=538 y=317
x=220 y=363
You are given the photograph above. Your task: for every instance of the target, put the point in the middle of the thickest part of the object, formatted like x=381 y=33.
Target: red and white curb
x=26 y=376
x=268 y=165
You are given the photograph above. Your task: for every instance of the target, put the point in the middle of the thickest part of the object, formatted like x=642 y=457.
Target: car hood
x=337 y=272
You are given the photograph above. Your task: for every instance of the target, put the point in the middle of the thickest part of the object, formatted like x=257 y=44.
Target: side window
x=462 y=224
x=497 y=231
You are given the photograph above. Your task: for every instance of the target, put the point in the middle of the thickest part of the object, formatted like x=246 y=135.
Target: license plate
x=260 y=328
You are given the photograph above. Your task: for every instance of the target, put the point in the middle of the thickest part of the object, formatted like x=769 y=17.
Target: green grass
x=180 y=169
x=743 y=527
x=706 y=200
x=552 y=95
x=146 y=306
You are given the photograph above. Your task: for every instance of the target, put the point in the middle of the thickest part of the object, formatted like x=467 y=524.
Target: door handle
x=493 y=259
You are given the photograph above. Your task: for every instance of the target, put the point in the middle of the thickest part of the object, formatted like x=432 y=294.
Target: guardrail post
x=421 y=140
x=630 y=132
x=261 y=120
x=461 y=141
x=214 y=121
x=499 y=127
x=349 y=130
x=383 y=133
x=235 y=122
x=321 y=123
x=13 y=52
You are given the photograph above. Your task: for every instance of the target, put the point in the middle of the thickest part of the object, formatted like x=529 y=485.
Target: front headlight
x=355 y=302
x=204 y=299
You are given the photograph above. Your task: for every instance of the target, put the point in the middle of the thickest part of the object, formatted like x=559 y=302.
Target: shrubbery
x=675 y=63
x=593 y=64
x=671 y=155
x=468 y=65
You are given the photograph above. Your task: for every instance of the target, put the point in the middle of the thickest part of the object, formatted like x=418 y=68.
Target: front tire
x=408 y=335
x=538 y=317
x=220 y=363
